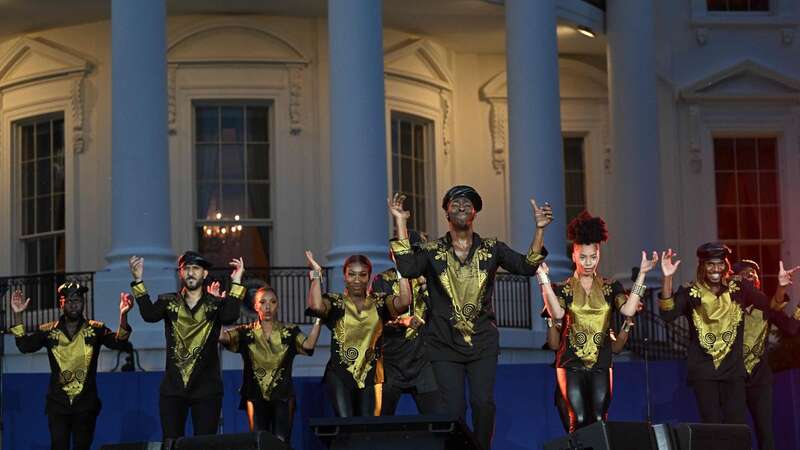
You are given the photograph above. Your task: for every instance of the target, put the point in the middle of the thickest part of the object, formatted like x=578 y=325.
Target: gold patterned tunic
x=192 y=366
x=584 y=341
x=462 y=321
x=355 y=338
x=716 y=326
x=757 y=325
x=73 y=361
x=268 y=361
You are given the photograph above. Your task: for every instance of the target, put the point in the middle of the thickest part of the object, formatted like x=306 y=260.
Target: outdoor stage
x=524 y=394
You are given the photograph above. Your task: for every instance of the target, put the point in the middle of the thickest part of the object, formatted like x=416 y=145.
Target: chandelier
x=224 y=230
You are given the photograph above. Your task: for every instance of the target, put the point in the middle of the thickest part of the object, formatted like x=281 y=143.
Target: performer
x=192 y=322
x=73 y=345
x=355 y=319
x=758 y=381
x=268 y=347
x=461 y=335
x=405 y=366
x=585 y=301
x=713 y=304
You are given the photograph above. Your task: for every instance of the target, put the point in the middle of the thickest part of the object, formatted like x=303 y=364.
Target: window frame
x=197 y=223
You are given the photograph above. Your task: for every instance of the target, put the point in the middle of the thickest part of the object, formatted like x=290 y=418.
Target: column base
x=377 y=254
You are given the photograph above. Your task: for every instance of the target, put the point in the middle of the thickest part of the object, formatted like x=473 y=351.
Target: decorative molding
x=440 y=75
x=172 y=110
x=607 y=147
x=295 y=99
x=701 y=35
x=783 y=86
x=24 y=46
x=695 y=146
x=76 y=106
x=446 y=110
x=498 y=119
x=787 y=36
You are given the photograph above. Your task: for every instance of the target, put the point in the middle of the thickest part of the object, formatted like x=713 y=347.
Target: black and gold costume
x=355 y=365
x=72 y=403
x=758 y=383
x=461 y=335
x=405 y=365
x=192 y=378
x=716 y=362
x=267 y=373
x=585 y=348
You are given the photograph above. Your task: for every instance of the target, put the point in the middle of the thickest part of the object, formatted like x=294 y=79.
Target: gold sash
x=590 y=317
x=716 y=320
x=357 y=332
x=73 y=358
x=190 y=333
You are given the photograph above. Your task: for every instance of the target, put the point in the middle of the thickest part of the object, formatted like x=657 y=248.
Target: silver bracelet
x=542 y=278
x=315 y=275
x=638 y=289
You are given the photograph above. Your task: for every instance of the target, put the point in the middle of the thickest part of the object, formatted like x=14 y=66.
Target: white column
x=359 y=218
x=637 y=220
x=140 y=210
x=535 y=159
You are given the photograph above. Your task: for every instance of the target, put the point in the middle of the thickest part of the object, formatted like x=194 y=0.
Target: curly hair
x=585 y=229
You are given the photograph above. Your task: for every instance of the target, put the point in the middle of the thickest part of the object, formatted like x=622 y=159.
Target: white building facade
x=266 y=130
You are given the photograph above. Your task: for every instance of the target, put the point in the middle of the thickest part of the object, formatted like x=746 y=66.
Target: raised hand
x=544 y=215
x=785 y=276
x=125 y=303
x=543 y=269
x=214 y=289
x=312 y=264
x=238 y=269
x=667 y=266
x=396 y=207
x=136 y=264
x=648 y=264
x=18 y=302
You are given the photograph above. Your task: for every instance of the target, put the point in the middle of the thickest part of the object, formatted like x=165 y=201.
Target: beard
x=192 y=284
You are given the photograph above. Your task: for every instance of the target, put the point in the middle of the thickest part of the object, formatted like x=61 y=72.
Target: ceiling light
x=586 y=31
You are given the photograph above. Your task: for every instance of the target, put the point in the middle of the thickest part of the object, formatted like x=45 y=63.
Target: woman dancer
x=268 y=347
x=355 y=319
x=585 y=302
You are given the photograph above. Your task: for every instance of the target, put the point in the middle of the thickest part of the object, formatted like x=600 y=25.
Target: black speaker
x=260 y=440
x=711 y=436
x=607 y=436
x=140 y=446
x=431 y=432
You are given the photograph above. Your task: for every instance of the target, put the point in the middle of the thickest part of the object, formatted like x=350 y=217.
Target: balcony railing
x=41 y=289
x=651 y=334
x=512 y=301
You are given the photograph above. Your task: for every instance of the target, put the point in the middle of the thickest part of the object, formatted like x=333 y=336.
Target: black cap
x=193 y=258
x=467 y=192
x=71 y=288
x=746 y=264
x=713 y=250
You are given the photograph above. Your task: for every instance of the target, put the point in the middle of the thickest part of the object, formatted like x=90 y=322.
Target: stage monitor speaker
x=711 y=436
x=260 y=440
x=607 y=436
x=429 y=432
x=139 y=446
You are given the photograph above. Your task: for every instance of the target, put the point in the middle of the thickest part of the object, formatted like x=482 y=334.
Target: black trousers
x=759 y=402
x=347 y=400
x=75 y=428
x=174 y=411
x=274 y=416
x=427 y=402
x=587 y=393
x=480 y=375
x=721 y=401
x=561 y=407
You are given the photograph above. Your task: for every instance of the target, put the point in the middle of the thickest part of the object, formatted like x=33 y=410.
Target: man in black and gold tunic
x=192 y=322
x=714 y=304
x=73 y=345
x=406 y=368
x=461 y=336
x=757 y=324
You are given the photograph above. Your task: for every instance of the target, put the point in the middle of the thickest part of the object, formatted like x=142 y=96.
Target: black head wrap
x=713 y=250
x=585 y=229
x=467 y=192
x=193 y=258
x=745 y=264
